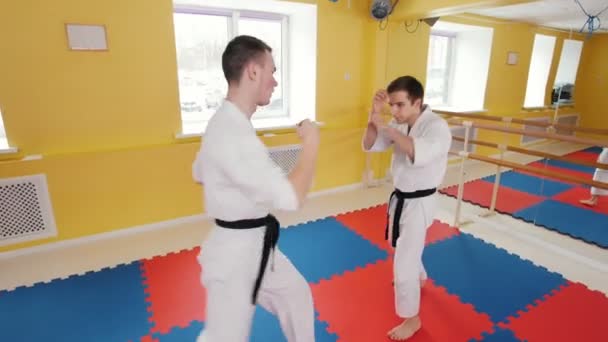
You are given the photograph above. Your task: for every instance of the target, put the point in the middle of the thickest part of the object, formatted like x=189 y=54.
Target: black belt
x=401 y=197
x=271 y=237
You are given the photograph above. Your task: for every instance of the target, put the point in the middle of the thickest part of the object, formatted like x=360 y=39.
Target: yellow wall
x=105 y=121
x=592 y=86
x=406 y=53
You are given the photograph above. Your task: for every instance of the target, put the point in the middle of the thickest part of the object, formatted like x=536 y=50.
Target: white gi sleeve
x=196 y=169
x=261 y=179
x=435 y=142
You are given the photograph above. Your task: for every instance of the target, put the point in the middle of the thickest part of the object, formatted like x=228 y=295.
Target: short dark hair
x=409 y=84
x=240 y=51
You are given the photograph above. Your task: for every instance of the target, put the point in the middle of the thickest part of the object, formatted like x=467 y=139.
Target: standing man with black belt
x=421 y=140
x=241 y=265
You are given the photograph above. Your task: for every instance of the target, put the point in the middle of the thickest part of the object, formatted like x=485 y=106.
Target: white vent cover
x=285 y=156
x=525 y=139
x=570 y=119
x=25 y=210
x=458 y=131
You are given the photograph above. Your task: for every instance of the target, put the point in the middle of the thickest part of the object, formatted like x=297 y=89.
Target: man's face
x=402 y=108
x=265 y=81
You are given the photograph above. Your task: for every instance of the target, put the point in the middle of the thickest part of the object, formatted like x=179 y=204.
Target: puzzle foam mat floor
x=475 y=291
x=545 y=202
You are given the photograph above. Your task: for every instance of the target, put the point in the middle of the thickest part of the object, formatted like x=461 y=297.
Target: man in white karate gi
x=600 y=175
x=241 y=265
x=421 y=141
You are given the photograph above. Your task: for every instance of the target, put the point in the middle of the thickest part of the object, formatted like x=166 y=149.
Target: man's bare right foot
x=588 y=202
x=406 y=329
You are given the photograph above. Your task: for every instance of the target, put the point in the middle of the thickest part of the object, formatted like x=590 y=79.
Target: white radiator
x=458 y=131
x=285 y=156
x=568 y=119
x=25 y=210
x=526 y=139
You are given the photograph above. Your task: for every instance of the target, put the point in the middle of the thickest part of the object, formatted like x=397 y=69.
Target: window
x=565 y=78
x=3 y=140
x=540 y=64
x=438 y=69
x=202 y=33
x=457 y=66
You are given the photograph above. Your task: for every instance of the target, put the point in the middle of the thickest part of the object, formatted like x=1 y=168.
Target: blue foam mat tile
x=530 y=184
x=594 y=149
x=579 y=223
x=491 y=279
x=178 y=334
x=568 y=166
x=325 y=248
x=500 y=335
x=107 y=305
x=265 y=328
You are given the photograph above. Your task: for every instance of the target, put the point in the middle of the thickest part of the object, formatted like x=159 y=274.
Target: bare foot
x=588 y=202
x=406 y=329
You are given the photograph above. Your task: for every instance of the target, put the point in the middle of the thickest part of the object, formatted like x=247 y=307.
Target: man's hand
x=378 y=121
x=379 y=100
x=308 y=132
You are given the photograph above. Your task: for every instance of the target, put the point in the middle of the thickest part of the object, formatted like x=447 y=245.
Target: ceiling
x=559 y=14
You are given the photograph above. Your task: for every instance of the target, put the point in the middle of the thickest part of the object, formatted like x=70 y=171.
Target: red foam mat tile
x=583 y=155
x=508 y=200
x=573 y=313
x=174 y=289
x=369 y=223
x=359 y=307
x=440 y=231
x=573 y=173
x=574 y=195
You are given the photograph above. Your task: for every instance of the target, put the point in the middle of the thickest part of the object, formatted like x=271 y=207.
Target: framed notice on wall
x=512 y=58
x=86 y=37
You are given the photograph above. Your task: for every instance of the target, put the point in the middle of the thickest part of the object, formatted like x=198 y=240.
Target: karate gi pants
x=230 y=260
x=601 y=175
x=408 y=269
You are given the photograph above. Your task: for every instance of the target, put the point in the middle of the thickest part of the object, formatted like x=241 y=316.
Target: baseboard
x=141 y=229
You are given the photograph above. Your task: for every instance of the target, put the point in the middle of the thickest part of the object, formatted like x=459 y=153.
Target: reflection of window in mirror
x=538 y=75
x=563 y=87
x=3 y=140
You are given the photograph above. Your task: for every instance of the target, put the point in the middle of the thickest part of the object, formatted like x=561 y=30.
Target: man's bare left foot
x=406 y=329
x=588 y=202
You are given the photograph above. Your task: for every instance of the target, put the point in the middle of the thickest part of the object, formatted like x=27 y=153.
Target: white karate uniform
x=432 y=139
x=240 y=181
x=601 y=175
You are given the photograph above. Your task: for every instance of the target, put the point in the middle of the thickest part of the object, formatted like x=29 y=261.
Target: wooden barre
x=530 y=122
x=535 y=170
x=536 y=153
x=545 y=135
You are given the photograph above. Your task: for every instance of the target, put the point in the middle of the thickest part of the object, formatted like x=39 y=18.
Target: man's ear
x=250 y=71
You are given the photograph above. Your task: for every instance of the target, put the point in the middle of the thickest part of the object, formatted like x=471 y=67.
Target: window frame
x=449 y=74
x=233 y=16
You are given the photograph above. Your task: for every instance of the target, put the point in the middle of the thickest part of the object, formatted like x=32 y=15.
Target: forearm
x=402 y=142
x=371 y=133
x=302 y=175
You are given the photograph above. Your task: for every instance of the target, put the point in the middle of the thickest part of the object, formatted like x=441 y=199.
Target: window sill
x=263 y=127
x=535 y=109
x=8 y=150
x=448 y=110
